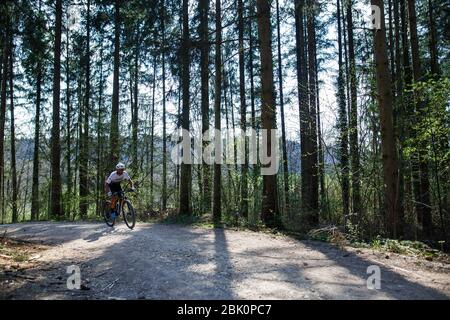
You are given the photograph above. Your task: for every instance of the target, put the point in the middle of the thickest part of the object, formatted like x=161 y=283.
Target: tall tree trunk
x=177 y=171
x=152 y=135
x=388 y=140
x=217 y=203
x=244 y=167
x=354 y=142
x=79 y=135
x=313 y=152
x=399 y=114
x=391 y=41
x=283 y=125
x=2 y=41
x=114 y=133
x=320 y=152
x=398 y=53
x=56 y=209
x=269 y=207
x=233 y=123
x=68 y=159
x=100 y=128
x=423 y=203
x=227 y=192
x=406 y=102
x=343 y=124
x=442 y=178
x=163 y=53
x=6 y=51
x=302 y=84
x=185 y=172
x=13 y=134
x=84 y=145
x=37 y=132
x=135 y=105
x=434 y=53
x=254 y=126
x=204 y=65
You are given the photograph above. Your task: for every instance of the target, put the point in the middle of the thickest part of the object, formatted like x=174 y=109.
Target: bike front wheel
x=109 y=219
x=128 y=214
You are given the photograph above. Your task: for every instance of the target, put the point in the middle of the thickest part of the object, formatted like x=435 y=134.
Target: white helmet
x=120 y=165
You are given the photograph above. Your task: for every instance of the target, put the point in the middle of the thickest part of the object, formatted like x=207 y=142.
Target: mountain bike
x=124 y=206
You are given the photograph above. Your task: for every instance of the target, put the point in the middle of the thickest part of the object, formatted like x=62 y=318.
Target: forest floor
x=168 y=261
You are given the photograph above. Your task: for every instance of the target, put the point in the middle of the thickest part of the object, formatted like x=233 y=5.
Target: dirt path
x=157 y=261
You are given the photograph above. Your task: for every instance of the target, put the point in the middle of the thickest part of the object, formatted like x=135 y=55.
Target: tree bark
x=423 y=203
x=135 y=105
x=324 y=204
x=388 y=139
x=255 y=167
x=353 y=123
x=56 y=209
x=302 y=84
x=6 y=51
x=244 y=167
x=434 y=53
x=152 y=136
x=114 y=133
x=84 y=145
x=100 y=131
x=13 y=135
x=204 y=65
x=283 y=125
x=163 y=53
x=313 y=153
x=269 y=207
x=68 y=207
x=217 y=203
x=185 y=170
x=37 y=132
x=399 y=113
x=343 y=123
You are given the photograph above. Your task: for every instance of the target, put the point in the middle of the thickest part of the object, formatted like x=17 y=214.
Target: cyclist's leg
x=119 y=190
x=113 y=202
x=114 y=187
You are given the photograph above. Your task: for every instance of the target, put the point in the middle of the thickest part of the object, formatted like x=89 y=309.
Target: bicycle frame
x=120 y=200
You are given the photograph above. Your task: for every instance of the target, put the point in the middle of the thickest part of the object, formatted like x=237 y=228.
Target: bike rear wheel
x=128 y=214
x=109 y=219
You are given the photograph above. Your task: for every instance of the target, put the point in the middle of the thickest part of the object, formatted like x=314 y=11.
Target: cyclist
x=112 y=184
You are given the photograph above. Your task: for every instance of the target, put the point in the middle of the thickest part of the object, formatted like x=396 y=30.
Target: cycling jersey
x=115 y=178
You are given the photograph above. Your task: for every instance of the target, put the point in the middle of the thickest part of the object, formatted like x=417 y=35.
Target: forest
x=352 y=96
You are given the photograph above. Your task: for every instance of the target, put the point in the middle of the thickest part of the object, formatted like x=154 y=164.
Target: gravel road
x=162 y=261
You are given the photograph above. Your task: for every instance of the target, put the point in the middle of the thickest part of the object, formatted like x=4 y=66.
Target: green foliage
x=377 y=243
x=353 y=234
x=434 y=127
x=406 y=247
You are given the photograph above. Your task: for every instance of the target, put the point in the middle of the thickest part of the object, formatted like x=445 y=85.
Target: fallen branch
x=23 y=276
x=109 y=286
